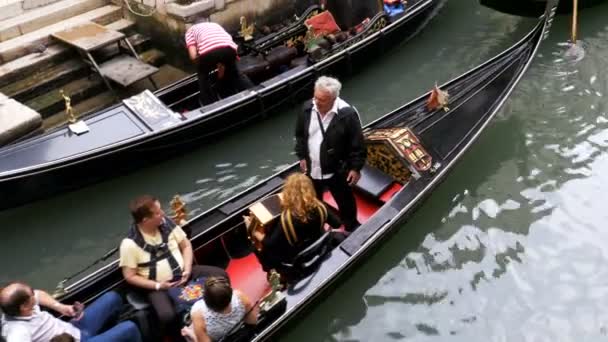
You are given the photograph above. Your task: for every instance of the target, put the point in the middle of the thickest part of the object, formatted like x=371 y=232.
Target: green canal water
x=511 y=247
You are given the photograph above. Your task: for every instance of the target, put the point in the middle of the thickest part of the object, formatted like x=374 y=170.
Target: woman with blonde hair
x=302 y=222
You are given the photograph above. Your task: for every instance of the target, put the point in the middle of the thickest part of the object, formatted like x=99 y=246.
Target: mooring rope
x=140 y=14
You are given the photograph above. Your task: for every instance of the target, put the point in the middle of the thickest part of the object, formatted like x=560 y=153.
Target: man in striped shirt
x=212 y=48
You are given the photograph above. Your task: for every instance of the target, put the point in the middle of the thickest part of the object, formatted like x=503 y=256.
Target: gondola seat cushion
x=137 y=300
x=308 y=259
x=373 y=182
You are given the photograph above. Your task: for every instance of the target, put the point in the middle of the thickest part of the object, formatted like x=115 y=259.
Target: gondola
x=410 y=151
x=151 y=127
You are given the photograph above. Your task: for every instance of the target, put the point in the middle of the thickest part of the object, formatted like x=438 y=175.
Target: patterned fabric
x=208 y=37
x=219 y=324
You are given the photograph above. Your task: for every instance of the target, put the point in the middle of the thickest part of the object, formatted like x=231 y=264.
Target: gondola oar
x=60 y=289
x=575 y=51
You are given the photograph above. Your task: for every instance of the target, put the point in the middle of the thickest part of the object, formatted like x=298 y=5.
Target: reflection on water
x=514 y=246
x=509 y=248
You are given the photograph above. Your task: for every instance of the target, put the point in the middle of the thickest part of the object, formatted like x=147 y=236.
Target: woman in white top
x=220 y=310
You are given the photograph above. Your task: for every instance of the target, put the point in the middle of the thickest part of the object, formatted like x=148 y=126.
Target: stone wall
x=172 y=18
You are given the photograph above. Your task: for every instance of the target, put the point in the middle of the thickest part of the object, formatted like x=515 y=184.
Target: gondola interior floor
x=246 y=274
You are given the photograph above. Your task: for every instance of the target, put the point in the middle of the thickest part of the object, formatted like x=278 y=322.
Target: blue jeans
x=98 y=313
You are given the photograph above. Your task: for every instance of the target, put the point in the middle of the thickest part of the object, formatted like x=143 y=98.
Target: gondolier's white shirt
x=315 y=137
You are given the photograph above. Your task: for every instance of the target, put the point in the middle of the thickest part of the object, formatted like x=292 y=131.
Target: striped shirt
x=208 y=37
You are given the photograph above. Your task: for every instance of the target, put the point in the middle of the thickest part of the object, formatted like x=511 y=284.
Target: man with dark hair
x=156 y=256
x=23 y=319
x=330 y=146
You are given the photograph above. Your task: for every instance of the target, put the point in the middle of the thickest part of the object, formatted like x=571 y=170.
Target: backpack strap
x=157 y=252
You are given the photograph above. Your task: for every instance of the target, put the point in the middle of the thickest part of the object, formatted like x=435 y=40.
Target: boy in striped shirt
x=211 y=47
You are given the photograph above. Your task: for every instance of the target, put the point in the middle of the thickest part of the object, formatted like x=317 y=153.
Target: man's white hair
x=329 y=84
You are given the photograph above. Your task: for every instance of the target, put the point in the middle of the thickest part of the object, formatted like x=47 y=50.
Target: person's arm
x=134 y=279
x=358 y=153
x=185 y=247
x=301 y=143
x=200 y=328
x=47 y=301
x=128 y=264
x=191 y=44
x=252 y=309
x=192 y=52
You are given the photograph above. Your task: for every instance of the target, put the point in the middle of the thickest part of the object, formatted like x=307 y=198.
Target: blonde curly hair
x=299 y=196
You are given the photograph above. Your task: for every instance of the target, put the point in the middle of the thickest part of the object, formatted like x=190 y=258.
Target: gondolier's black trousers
x=233 y=81
x=163 y=304
x=344 y=197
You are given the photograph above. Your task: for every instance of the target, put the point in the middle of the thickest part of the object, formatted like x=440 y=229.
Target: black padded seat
x=374 y=182
x=137 y=300
x=283 y=75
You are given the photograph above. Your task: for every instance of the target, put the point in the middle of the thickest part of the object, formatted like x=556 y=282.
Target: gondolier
x=211 y=47
x=156 y=256
x=329 y=144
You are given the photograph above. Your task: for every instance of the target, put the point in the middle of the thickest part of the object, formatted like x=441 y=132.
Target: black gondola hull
x=49 y=175
x=476 y=98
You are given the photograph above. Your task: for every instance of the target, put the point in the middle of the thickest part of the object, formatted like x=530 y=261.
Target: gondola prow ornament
x=180 y=215
x=68 y=107
x=438 y=100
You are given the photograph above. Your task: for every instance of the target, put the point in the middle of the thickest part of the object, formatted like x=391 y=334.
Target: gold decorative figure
x=68 y=107
x=438 y=99
x=274 y=278
x=246 y=31
x=179 y=210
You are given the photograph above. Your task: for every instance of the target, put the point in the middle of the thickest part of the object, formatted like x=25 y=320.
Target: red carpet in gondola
x=246 y=274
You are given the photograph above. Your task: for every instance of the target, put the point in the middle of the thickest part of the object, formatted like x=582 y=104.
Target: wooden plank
x=126 y=70
x=89 y=36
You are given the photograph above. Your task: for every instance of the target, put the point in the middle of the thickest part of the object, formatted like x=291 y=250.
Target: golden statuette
x=246 y=30
x=180 y=216
x=274 y=278
x=68 y=107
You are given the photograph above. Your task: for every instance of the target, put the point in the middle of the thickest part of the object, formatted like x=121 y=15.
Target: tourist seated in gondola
x=302 y=222
x=157 y=256
x=211 y=48
x=24 y=320
x=220 y=312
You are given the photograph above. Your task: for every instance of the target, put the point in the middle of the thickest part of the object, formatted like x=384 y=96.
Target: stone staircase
x=34 y=66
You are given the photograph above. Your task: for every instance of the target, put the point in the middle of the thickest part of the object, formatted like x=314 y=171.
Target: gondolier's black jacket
x=342 y=149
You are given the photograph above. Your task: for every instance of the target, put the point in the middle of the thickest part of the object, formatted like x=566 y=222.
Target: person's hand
x=165 y=285
x=259 y=235
x=221 y=71
x=303 y=166
x=247 y=220
x=185 y=278
x=188 y=333
x=66 y=310
x=353 y=177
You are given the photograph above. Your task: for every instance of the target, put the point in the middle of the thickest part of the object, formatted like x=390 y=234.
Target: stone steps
x=24 y=66
x=56 y=75
x=13 y=8
x=23 y=45
x=81 y=89
x=44 y=16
